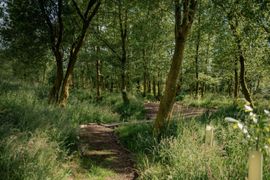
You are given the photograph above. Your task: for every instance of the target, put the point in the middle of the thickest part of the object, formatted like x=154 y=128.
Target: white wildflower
x=248 y=108
x=253 y=117
x=209 y=128
x=242 y=127
x=267 y=112
x=229 y=119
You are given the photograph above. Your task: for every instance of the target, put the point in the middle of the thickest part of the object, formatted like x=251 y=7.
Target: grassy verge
x=182 y=154
x=38 y=141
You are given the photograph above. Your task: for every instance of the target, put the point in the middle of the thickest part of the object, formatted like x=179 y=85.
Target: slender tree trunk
x=67 y=81
x=236 y=79
x=159 y=89
x=98 y=76
x=123 y=34
x=59 y=92
x=202 y=89
x=197 y=55
x=154 y=87
x=244 y=88
x=76 y=46
x=149 y=86
x=184 y=14
x=144 y=74
x=144 y=84
x=55 y=90
x=241 y=58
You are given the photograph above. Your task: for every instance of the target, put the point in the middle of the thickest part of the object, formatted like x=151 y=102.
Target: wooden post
x=209 y=135
x=255 y=165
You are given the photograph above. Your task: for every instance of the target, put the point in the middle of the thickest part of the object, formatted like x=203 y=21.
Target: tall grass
x=38 y=141
x=208 y=101
x=182 y=154
x=35 y=138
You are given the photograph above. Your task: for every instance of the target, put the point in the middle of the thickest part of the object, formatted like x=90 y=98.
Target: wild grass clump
x=31 y=156
x=208 y=101
x=35 y=139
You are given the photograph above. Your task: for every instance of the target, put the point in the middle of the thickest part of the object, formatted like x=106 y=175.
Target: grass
x=38 y=141
x=182 y=154
x=208 y=101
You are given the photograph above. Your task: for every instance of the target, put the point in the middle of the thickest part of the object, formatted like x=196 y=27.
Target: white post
x=209 y=135
x=255 y=165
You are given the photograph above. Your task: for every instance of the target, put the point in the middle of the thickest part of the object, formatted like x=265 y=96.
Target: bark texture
x=184 y=14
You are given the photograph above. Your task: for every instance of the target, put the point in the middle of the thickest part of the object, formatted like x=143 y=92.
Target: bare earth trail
x=179 y=110
x=101 y=146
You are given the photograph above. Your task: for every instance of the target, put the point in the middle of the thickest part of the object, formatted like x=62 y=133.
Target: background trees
x=128 y=46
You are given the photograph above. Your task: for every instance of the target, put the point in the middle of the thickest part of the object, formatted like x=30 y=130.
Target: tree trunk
x=59 y=92
x=55 y=90
x=154 y=87
x=197 y=55
x=184 y=14
x=144 y=84
x=98 y=76
x=159 y=90
x=168 y=98
x=66 y=82
x=76 y=46
x=236 y=79
x=244 y=88
x=123 y=34
x=144 y=74
x=149 y=86
x=241 y=58
x=202 y=89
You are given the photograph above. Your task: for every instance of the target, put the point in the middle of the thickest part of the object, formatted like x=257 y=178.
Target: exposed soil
x=100 y=145
x=179 y=110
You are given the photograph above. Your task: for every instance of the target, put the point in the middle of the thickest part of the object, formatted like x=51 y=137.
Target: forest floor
x=100 y=145
x=179 y=110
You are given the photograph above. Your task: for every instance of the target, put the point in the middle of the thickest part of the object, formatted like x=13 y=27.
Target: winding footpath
x=101 y=146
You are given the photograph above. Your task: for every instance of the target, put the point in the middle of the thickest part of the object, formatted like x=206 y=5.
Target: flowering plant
x=256 y=128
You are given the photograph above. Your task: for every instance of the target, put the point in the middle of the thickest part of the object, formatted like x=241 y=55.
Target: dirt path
x=179 y=110
x=100 y=145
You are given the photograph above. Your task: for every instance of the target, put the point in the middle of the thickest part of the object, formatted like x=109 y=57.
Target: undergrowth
x=182 y=154
x=38 y=141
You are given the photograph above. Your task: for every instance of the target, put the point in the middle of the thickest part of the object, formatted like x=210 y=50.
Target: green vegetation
x=182 y=154
x=39 y=141
x=66 y=63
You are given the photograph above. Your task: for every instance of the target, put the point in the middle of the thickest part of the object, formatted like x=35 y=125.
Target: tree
x=184 y=15
x=60 y=90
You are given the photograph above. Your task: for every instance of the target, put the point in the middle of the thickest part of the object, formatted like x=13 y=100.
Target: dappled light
x=125 y=90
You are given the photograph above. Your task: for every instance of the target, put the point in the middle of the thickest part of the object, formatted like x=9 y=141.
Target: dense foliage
x=99 y=61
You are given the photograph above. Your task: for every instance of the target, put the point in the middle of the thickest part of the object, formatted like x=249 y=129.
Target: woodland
x=134 y=89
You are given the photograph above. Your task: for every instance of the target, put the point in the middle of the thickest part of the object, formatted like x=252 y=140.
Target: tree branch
x=107 y=44
x=78 y=10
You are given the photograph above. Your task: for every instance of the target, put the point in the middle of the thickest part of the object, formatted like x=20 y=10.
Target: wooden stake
x=209 y=135
x=255 y=165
